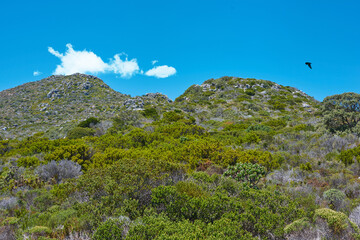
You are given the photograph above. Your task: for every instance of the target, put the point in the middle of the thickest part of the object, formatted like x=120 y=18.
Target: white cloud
x=55 y=53
x=154 y=62
x=78 y=61
x=88 y=62
x=84 y=61
x=37 y=73
x=161 y=71
x=125 y=67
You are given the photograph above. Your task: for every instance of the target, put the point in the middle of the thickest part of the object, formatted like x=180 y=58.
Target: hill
x=55 y=104
x=58 y=102
x=238 y=98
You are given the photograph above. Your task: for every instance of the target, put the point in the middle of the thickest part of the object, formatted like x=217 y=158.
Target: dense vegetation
x=218 y=163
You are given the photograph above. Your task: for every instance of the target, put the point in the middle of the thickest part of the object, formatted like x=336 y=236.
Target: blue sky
x=192 y=41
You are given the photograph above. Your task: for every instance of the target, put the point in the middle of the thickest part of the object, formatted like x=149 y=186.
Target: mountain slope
x=231 y=98
x=59 y=102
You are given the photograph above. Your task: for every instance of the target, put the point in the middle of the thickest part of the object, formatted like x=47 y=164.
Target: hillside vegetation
x=231 y=158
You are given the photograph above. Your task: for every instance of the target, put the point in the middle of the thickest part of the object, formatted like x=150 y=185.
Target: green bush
x=38 y=231
x=251 y=137
x=258 y=128
x=151 y=113
x=172 y=116
x=348 y=156
x=306 y=167
x=248 y=173
x=276 y=123
x=110 y=229
x=89 y=122
x=79 y=132
x=250 y=92
x=334 y=196
x=297 y=226
x=341 y=111
x=28 y=162
x=161 y=227
x=337 y=221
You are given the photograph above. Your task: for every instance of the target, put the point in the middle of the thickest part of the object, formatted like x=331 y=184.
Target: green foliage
x=179 y=129
x=348 y=156
x=189 y=188
x=341 y=112
x=334 y=196
x=167 y=175
x=306 y=167
x=79 y=132
x=304 y=127
x=262 y=158
x=254 y=211
x=161 y=227
x=28 y=162
x=61 y=217
x=337 y=221
x=151 y=113
x=110 y=229
x=62 y=191
x=10 y=221
x=124 y=120
x=89 y=122
x=79 y=153
x=297 y=226
x=126 y=178
x=277 y=104
x=38 y=231
x=250 y=92
x=276 y=123
x=4 y=147
x=258 y=128
x=252 y=137
x=172 y=116
x=248 y=173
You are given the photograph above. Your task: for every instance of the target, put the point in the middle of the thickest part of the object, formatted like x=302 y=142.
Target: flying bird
x=309 y=64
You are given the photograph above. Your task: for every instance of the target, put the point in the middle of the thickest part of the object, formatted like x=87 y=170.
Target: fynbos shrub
x=59 y=170
x=248 y=173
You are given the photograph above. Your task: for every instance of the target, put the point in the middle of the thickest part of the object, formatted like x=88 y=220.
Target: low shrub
x=248 y=173
x=59 y=170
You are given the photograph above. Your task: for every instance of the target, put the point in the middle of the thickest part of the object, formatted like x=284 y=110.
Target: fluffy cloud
x=84 y=61
x=37 y=73
x=125 y=67
x=161 y=71
x=88 y=62
x=154 y=62
x=78 y=62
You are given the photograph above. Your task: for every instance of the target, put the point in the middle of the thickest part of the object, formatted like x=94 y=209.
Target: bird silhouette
x=309 y=64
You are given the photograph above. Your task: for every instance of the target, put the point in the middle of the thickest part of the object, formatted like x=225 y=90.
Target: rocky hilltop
x=233 y=99
x=57 y=103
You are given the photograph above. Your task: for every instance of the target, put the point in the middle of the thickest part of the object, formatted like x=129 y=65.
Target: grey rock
x=87 y=85
x=52 y=92
x=305 y=105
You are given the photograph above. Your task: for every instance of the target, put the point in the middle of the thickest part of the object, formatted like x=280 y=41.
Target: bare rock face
x=87 y=85
x=355 y=216
x=135 y=103
x=158 y=96
x=54 y=93
x=7 y=233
